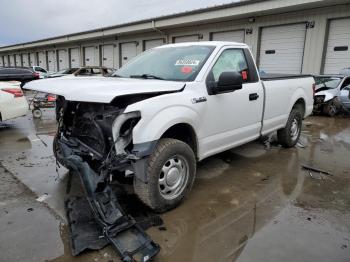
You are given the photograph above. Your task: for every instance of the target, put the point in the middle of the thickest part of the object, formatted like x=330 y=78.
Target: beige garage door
x=107 y=55
x=62 y=59
x=187 y=38
x=6 y=60
x=42 y=60
x=25 y=59
x=148 y=44
x=51 y=59
x=231 y=36
x=89 y=56
x=338 y=52
x=282 y=49
x=12 y=60
x=32 y=60
x=127 y=52
x=74 y=56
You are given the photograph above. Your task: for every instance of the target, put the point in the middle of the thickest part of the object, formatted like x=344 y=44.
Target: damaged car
x=328 y=94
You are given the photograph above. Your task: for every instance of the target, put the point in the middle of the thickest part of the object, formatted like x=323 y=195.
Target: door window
x=230 y=60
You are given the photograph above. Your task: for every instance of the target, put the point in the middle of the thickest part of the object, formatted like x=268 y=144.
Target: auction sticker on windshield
x=187 y=62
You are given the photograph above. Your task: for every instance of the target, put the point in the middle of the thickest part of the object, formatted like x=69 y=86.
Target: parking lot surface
x=253 y=203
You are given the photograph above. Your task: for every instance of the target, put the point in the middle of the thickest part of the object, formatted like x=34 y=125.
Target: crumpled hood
x=101 y=89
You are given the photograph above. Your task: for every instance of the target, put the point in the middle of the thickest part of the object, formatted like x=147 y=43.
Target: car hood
x=101 y=89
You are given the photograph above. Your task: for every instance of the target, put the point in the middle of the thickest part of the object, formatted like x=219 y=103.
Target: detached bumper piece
x=120 y=230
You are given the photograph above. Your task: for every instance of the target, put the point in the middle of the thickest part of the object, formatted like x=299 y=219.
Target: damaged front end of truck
x=94 y=141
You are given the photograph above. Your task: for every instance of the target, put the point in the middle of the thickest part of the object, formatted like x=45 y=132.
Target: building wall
x=315 y=36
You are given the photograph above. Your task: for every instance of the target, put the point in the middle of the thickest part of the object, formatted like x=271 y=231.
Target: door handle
x=254 y=96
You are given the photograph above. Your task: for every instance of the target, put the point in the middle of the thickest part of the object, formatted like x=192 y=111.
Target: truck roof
x=207 y=43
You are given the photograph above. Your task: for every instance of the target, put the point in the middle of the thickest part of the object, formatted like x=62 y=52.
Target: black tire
x=330 y=109
x=37 y=113
x=286 y=136
x=153 y=193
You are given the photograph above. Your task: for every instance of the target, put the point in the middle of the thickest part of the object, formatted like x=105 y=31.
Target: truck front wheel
x=170 y=171
x=289 y=136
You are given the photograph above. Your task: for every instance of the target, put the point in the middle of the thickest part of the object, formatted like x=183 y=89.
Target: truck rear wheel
x=171 y=171
x=289 y=136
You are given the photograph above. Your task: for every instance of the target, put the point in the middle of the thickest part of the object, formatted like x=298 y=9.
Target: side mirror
x=229 y=82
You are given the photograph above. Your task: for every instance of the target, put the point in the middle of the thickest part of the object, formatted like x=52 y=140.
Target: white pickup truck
x=168 y=108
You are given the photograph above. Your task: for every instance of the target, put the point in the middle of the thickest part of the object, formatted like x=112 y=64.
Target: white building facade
x=300 y=36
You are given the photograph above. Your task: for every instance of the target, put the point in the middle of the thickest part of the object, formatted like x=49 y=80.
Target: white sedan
x=12 y=101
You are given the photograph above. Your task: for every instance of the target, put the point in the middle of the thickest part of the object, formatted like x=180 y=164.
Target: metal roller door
x=25 y=59
x=282 y=49
x=12 y=60
x=62 y=59
x=89 y=56
x=148 y=44
x=187 y=38
x=74 y=57
x=127 y=52
x=18 y=60
x=6 y=60
x=51 y=60
x=32 y=61
x=338 y=52
x=42 y=60
x=107 y=54
x=231 y=36
x=1 y=61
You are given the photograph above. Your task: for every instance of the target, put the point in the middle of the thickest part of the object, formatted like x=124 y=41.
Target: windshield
x=327 y=82
x=181 y=63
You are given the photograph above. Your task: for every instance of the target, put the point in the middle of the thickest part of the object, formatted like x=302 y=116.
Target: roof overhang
x=233 y=11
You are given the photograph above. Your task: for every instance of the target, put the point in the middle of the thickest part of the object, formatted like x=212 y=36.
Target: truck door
x=231 y=119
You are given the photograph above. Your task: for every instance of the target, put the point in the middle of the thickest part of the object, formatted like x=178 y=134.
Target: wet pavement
x=253 y=203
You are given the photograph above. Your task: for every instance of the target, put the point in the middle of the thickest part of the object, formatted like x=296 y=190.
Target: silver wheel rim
x=294 y=130
x=173 y=177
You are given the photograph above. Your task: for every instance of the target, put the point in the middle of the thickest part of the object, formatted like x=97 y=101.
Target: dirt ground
x=253 y=203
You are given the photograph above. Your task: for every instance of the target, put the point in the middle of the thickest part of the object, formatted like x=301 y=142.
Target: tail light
x=36 y=75
x=17 y=92
x=313 y=89
x=51 y=98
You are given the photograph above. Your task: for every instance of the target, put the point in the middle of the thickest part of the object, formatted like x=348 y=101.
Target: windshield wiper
x=147 y=76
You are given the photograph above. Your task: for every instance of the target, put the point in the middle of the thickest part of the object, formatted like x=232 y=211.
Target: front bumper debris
x=120 y=230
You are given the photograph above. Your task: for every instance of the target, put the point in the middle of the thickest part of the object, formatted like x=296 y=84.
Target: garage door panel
x=338 y=46
x=74 y=57
x=18 y=60
x=1 y=61
x=12 y=60
x=127 y=52
x=51 y=59
x=232 y=36
x=62 y=59
x=32 y=61
x=148 y=44
x=187 y=38
x=89 y=56
x=108 y=56
x=42 y=60
x=25 y=59
x=282 y=48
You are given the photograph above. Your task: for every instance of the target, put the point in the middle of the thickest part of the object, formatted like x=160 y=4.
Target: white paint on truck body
x=221 y=121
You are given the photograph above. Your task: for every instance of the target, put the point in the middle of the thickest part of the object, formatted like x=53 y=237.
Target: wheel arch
x=185 y=133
